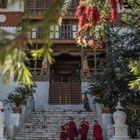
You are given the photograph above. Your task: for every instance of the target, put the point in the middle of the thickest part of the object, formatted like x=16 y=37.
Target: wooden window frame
x=3 y=4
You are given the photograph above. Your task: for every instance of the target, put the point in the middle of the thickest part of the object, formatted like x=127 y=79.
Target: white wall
x=41 y=96
x=11 y=32
x=17 y=6
x=6 y=89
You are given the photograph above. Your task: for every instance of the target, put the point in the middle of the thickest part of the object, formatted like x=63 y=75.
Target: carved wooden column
x=85 y=67
x=95 y=61
x=46 y=69
x=85 y=62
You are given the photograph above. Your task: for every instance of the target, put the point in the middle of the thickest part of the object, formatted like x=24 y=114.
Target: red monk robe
x=97 y=131
x=72 y=129
x=84 y=126
x=64 y=132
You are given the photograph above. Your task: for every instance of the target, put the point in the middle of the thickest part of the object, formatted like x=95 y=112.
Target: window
x=49 y=3
x=66 y=31
x=95 y=62
x=74 y=28
x=40 y=3
x=3 y=3
x=44 y=3
x=34 y=33
x=126 y=4
x=54 y=31
x=63 y=32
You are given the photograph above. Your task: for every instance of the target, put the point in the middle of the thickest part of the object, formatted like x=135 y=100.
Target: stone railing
x=10 y=122
x=118 y=130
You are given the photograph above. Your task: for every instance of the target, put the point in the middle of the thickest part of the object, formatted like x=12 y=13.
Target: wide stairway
x=45 y=125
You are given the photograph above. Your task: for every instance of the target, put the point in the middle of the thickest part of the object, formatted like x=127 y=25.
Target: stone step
x=73 y=109
x=53 y=122
x=45 y=125
x=41 y=138
x=60 y=114
x=19 y=138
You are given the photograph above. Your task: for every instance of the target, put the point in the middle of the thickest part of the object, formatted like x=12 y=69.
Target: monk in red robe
x=64 y=131
x=72 y=129
x=97 y=131
x=84 y=127
x=86 y=103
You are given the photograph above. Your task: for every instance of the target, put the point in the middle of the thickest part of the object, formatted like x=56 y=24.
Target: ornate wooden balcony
x=39 y=74
x=59 y=34
x=37 y=13
x=38 y=8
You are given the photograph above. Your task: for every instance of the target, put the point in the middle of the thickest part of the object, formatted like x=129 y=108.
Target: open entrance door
x=65 y=85
x=65 y=77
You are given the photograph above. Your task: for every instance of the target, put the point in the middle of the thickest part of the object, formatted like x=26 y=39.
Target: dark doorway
x=65 y=85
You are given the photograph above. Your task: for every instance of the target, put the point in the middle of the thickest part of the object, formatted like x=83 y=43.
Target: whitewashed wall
x=41 y=96
x=12 y=31
x=6 y=89
x=18 y=6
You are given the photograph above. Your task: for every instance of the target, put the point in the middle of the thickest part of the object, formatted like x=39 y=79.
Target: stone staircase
x=45 y=125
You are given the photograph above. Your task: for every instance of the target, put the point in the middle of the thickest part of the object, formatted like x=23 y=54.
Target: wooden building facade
x=67 y=76
x=72 y=65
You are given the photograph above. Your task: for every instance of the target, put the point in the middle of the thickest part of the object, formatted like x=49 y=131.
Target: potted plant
x=30 y=90
x=104 y=101
x=21 y=90
x=17 y=99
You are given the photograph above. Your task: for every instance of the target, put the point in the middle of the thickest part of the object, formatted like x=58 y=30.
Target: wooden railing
x=55 y=32
x=87 y=73
x=39 y=74
x=42 y=11
x=34 y=9
x=65 y=93
x=40 y=7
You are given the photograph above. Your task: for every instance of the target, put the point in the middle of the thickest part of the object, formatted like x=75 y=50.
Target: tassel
x=80 y=9
x=113 y=13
